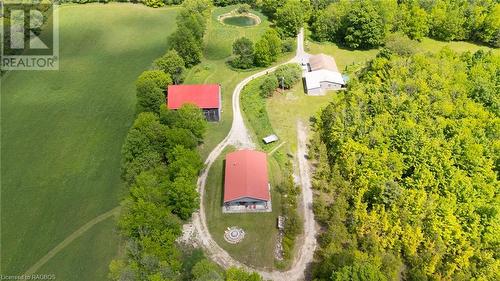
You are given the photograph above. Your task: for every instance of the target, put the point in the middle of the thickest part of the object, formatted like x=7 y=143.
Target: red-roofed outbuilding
x=206 y=96
x=246 y=182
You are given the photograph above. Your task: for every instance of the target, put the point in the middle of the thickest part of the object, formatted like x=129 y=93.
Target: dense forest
x=407 y=171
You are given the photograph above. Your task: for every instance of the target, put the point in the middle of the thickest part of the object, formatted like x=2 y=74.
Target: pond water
x=240 y=21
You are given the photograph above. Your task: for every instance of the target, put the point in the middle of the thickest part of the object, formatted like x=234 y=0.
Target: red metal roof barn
x=207 y=97
x=246 y=178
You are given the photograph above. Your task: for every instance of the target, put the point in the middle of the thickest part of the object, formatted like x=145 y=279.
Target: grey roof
x=322 y=61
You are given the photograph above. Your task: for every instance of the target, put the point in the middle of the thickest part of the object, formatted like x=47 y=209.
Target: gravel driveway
x=238 y=136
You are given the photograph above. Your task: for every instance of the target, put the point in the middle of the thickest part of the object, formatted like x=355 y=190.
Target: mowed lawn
x=218 y=43
x=285 y=109
x=62 y=133
x=345 y=57
x=220 y=37
x=257 y=248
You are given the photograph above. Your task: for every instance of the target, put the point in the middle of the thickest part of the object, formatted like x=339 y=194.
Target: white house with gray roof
x=322 y=75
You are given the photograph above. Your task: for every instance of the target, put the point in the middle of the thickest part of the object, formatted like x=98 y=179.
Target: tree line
x=406 y=170
x=185 y=52
x=187 y=40
x=365 y=23
x=160 y=166
x=264 y=52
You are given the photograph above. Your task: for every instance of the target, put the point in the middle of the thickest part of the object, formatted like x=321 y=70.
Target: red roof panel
x=204 y=96
x=246 y=175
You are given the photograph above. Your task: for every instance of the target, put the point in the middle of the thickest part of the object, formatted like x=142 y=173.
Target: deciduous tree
x=206 y=270
x=187 y=46
x=236 y=274
x=275 y=44
x=243 y=50
x=288 y=75
x=292 y=16
x=161 y=79
x=172 y=64
x=149 y=97
x=363 y=26
x=189 y=117
x=262 y=54
x=269 y=86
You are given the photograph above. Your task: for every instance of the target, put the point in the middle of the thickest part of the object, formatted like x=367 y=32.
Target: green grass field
x=77 y=260
x=257 y=248
x=255 y=114
x=344 y=57
x=214 y=69
x=219 y=38
x=284 y=109
x=62 y=133
x=278 y=114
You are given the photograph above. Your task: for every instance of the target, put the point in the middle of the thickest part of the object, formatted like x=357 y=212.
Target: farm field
x=76 y=262
x=62 y=133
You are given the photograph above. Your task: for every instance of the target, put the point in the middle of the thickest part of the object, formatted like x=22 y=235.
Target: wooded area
x=364 y=23
x=407 y=167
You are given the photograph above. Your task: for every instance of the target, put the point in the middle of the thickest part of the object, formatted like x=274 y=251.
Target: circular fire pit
x=234 y=235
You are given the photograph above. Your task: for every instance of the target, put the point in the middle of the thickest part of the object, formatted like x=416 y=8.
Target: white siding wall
x=330 y=86
x=315 y=92
x=325 y=86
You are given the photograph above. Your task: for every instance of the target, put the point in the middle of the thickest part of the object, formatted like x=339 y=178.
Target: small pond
x=240 y=21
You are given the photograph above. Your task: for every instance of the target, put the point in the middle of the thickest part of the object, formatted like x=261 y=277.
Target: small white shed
x=270 y=139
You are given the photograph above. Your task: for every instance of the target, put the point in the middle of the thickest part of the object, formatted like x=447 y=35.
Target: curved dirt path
x=33 y=269
x=238 y=136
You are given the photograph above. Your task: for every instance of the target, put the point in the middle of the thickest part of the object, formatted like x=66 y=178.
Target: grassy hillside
x=62 y=132
x=220 y=37
x=218 y=43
